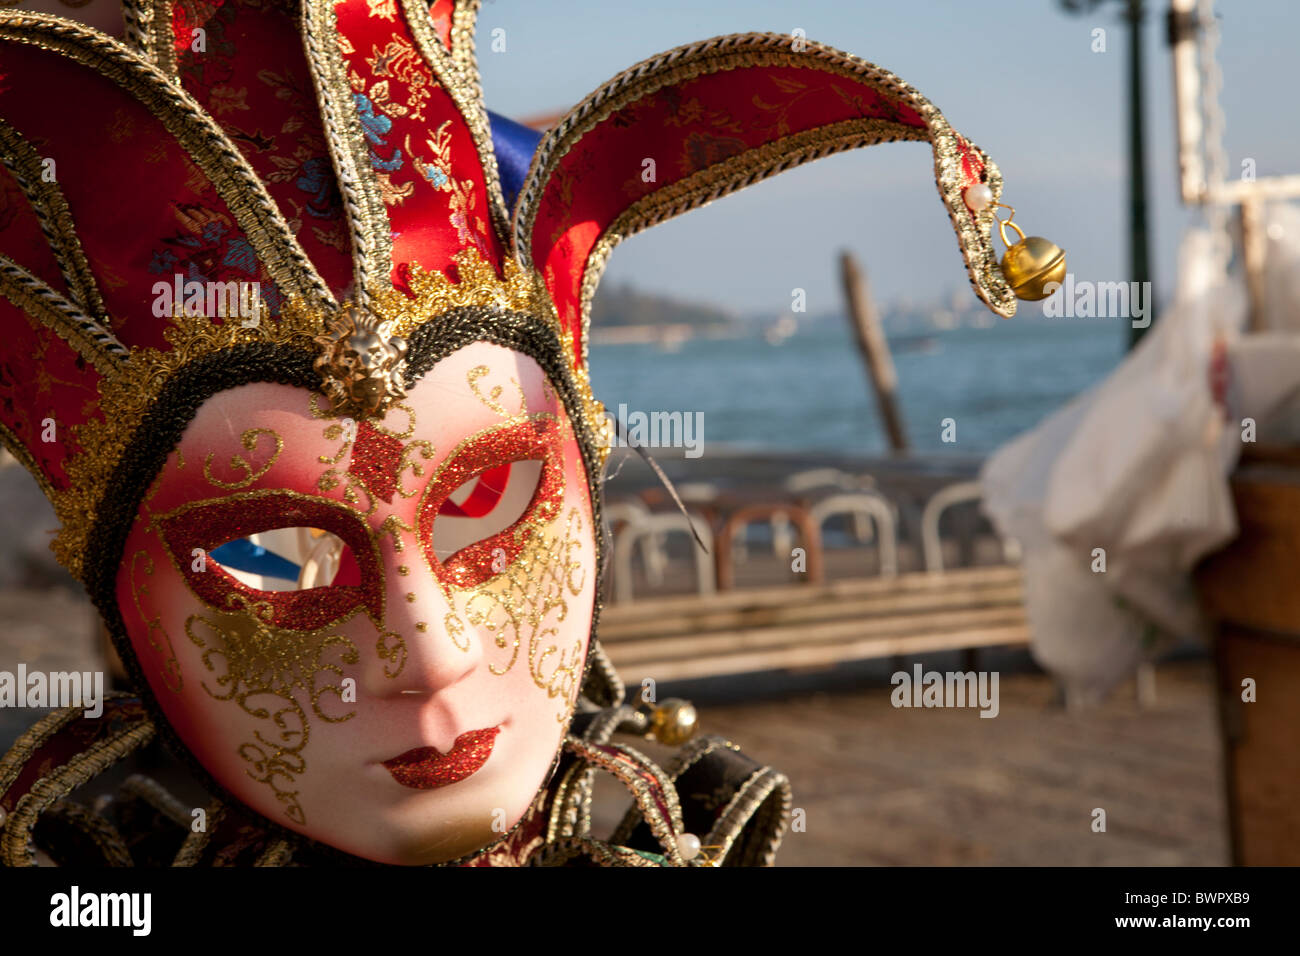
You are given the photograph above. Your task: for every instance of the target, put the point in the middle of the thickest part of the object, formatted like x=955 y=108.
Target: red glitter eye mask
x=485 y=506
x=202 y=526
x=538 y=440
x=288 y=559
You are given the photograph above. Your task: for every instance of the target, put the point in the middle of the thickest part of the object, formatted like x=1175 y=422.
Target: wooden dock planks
x=793 y=627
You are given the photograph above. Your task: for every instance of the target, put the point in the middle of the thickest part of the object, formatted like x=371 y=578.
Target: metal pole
x=1139 y=262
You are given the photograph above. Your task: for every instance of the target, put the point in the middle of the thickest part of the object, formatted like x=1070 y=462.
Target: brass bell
x=673 y=722
x=1031 y=264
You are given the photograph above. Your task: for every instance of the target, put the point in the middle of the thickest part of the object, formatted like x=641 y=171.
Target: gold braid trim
x=220 y=160
x=665 y=831
x=603 y=686
x=693 y=752
x=464 y=20
x=597 y=852
x=44 y=306
x=759 y=50
x=372 y=240
x=732 y=174
x=462 y=86
x=191 y=851
x=32 y=739
x=760 y=805
x=157 y=796
x=763 y=803
x=138 y=19
x=100 y=832
x=16 y=845
x=278 y=853
x=573 y=797
x=690 y=754
x=24 y=457
x=52 y=212
x=149 y=31
x=571 y=807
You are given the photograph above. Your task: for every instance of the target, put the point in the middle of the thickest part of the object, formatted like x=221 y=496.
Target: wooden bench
x=802 y=626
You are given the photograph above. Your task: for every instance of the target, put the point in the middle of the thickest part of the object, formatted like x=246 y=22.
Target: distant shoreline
x=655 y=334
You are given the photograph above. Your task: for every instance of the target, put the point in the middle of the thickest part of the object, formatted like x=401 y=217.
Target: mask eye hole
x=291 y=527
x=288 y=559
x=477 y=515
x=485 y=505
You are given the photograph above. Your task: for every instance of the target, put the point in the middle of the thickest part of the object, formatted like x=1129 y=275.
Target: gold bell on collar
x=1031 y=264
x=673 y=722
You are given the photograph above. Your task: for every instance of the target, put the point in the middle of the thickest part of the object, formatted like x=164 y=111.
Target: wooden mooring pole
x=875 y=350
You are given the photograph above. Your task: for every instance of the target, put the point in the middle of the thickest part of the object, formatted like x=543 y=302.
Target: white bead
x=689 y=845
x=979 y=197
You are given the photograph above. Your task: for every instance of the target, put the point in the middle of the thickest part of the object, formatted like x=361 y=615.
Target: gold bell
x=673 y=722
x=1031 y=264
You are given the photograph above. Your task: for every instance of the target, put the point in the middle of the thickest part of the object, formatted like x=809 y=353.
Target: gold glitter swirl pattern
x=391 y=648
x=265 y=670
x=493 y=399
x=331 y=478
x=346 y=436
x=406 y=432
x=527 y=601
x=239 y=463
x=408 y=463
x=455 y=628
x=333 y=432
x=394 y=527
x=171 y=669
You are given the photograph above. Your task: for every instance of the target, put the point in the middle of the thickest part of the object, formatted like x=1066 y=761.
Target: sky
x=1017 y=77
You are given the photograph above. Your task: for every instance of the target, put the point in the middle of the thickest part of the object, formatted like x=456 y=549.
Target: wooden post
x=1253 y=252
x=875 y=350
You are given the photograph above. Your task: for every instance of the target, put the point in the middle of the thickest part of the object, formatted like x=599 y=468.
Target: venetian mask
x=347 y=544
x=374 y=632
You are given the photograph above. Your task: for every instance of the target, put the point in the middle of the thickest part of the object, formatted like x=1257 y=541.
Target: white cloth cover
x=1138 y=466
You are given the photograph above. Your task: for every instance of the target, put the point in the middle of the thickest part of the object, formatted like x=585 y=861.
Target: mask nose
x=424 y=647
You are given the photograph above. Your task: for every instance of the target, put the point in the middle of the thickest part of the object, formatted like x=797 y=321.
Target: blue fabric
x=514 y=145
x=243 y=555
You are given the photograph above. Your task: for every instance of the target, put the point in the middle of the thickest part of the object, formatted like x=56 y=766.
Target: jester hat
x=340 y=156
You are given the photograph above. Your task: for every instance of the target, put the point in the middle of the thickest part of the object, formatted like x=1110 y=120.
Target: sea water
x=811 y=392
